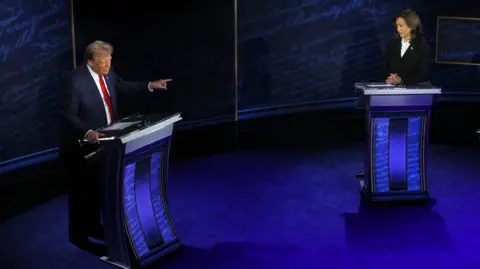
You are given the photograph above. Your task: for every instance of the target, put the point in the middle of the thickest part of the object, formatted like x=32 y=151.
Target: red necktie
x=106 y=97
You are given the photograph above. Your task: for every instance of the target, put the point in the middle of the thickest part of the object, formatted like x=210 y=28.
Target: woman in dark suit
x=407 y=57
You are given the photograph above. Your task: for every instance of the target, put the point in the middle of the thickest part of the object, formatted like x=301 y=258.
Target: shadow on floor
x=396 y=228
x=240 y=255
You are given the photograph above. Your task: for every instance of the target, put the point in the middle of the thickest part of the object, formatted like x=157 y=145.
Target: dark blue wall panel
x=458 y=41
x=294 y=51
x=289 y=52
x=35 y=54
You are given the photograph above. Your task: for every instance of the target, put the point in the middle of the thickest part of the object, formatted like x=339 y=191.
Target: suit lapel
x=93 y=93
x=409 y=50
x=398 y=49
x=110 y=81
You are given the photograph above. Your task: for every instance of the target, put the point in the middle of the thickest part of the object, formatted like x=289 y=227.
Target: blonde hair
x=94 y=47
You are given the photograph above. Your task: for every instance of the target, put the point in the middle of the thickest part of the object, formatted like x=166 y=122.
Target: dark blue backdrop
x=290 y=52
x=189 y=41
x=294 y=51
x=35 y=53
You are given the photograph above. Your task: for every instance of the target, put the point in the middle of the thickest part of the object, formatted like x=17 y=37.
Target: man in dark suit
x=88 y=103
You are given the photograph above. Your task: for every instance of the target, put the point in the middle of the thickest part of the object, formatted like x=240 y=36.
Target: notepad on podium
x=118 y=126
x=388 y=89
x=380 y=85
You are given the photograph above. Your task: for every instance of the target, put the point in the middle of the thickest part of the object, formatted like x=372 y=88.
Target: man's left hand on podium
x=159 y=84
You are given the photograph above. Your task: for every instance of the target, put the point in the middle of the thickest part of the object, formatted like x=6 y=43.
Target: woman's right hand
x=393 y=79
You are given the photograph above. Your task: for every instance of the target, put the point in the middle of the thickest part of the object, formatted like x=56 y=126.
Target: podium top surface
x=134 y=131
x=136 y=126
x=376 y=88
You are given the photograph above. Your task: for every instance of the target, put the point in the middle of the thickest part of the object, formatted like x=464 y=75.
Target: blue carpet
x=285 y=208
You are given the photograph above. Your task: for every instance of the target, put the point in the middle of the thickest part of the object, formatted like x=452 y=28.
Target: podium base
x=415 y=197
x=116 y=264
x=156 y=257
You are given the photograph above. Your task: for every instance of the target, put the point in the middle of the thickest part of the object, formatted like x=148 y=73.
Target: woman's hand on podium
x=394 y=79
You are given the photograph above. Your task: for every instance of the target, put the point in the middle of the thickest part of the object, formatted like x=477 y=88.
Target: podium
x=398 y=130
x=134 y=154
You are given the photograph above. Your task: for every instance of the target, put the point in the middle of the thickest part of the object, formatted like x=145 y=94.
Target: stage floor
x=296 y=207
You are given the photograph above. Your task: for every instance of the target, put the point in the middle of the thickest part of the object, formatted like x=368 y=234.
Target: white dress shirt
x=96 y=78
x=405 y=46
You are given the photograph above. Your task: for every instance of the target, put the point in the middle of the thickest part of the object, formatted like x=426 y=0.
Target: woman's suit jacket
x=413 y=67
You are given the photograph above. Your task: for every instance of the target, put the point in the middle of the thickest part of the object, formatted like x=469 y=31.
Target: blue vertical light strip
x=397 y=153
x=130 y=207
x=381 y=145
x=414 y=153
x=158 y=200
x=146 y=214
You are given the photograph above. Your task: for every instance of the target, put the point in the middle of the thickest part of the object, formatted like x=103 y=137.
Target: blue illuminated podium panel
x=138 y=227
x=398 y=130
x=397 y=152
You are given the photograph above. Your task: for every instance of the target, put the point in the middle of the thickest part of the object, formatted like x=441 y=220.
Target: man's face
x=101 y=62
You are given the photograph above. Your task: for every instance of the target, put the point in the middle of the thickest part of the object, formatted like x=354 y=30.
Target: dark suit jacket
x=81 y=105
x=413 y=67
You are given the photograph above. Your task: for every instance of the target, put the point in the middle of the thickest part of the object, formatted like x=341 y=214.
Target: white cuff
x=85 y=136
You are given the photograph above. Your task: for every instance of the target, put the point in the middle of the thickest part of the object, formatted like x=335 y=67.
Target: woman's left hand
x=394 y=79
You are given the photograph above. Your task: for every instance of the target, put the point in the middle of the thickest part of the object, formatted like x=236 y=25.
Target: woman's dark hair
x=412 y=20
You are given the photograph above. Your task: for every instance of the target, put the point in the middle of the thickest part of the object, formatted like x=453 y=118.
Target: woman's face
x=402 y=28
